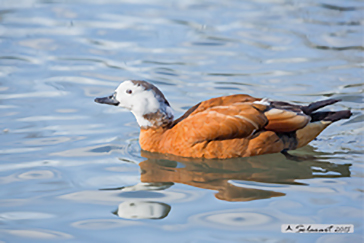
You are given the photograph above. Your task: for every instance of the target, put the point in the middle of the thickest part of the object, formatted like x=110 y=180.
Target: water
x=71 y=170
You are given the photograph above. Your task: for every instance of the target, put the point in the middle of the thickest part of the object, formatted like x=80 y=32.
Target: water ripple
x=50 y=118
x=102 y=224
x=23 y=215
x=339 y=8
x=40 y=94
x=36 y=174
x=40 y=234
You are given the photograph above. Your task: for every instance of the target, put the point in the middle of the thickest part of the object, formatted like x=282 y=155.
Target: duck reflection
x=142 y=210
x=136 y=208
x=159 y=172
x=217 y=174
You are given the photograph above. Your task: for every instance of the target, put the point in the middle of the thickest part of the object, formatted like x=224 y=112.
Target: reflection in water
x=160 y=172
x=142 y=210
x=139 y=209
x=216 y=174
x=143 y=187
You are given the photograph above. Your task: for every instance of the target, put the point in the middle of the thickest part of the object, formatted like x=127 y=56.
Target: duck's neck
x=150 y=138
x=153 y=126
x=162 y=117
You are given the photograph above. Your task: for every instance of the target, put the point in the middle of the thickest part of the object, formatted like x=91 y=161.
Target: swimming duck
x=223 y=127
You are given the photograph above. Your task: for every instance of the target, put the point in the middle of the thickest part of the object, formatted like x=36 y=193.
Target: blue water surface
x=71 y=170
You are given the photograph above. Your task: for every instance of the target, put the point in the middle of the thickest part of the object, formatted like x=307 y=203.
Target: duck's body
x=223 y=127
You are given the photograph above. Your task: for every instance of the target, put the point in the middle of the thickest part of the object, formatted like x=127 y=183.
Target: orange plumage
x=223 y=127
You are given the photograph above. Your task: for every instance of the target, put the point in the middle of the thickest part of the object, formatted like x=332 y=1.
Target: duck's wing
x=282 y=120
x=219 y=101
x=237 y=120
x=239 y=116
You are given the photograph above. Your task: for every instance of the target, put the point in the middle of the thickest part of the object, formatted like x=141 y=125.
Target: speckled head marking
x=149 y=86
x=144 y=100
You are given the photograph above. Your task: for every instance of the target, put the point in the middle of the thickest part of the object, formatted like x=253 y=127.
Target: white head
x=144 y=100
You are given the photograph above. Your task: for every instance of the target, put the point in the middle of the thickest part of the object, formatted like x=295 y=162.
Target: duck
x=231 y=126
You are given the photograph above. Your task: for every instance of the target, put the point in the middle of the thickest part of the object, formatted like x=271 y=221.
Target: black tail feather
x=332 y=116
x=317 y=105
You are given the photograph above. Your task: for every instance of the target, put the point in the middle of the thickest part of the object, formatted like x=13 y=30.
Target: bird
x=231 y=126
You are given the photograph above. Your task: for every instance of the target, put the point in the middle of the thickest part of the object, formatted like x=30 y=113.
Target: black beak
x=110 y=100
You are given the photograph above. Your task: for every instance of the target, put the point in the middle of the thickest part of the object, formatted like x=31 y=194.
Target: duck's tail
x=331 y=116
x=319 y=120
x=317 y=105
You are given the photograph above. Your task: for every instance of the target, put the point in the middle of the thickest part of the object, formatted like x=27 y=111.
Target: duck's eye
x=129 y=91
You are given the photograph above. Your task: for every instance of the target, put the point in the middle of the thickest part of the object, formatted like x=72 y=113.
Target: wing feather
x=215 y=102
x=235 y=116
x=238 y=120
x=280 y=120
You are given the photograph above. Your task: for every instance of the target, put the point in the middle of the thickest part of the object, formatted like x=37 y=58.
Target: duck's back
x=217 y=128
x=219 y=101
